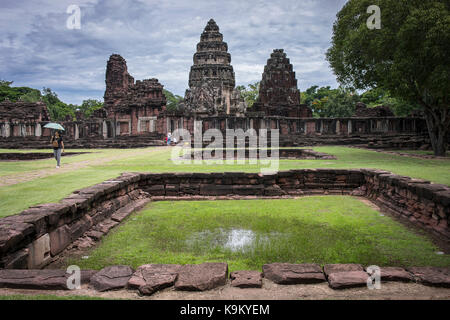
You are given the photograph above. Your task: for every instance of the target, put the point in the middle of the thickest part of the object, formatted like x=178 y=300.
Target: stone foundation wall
x=34 y=237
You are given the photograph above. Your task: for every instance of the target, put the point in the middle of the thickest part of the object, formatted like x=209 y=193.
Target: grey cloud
x=158 y=39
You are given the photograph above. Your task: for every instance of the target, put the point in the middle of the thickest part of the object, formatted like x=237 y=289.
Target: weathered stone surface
x=395 y=274
x=39 y=252
x=157 y=282
x=34 y=279
x=200 y=277
x=347 y=279
x=80 y=226
x=211 y=79
x=125 y=211
x=432 y=276
x=246 y=279
x=13 y=233
x=287 y=273
x=111 y=278
x=95 y=235
x=59 y=239
x=153 y=277
x=278 y=92
x=16 y=260
x=334 y=268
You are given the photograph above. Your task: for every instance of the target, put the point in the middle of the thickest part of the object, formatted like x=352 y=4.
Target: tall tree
x=408 y=56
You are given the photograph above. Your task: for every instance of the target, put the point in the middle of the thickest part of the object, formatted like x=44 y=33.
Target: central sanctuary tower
x=211 y=79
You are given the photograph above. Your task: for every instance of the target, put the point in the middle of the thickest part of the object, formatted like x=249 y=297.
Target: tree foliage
x=327 y=102
x=89 y=106
x=249 y=93
x=408 y=56
x=172 y=100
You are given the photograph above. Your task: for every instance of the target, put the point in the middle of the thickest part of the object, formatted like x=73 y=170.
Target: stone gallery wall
x=34 y=237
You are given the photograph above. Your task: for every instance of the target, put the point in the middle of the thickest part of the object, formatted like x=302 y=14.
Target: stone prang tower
x=278 y=92
x=211 y=79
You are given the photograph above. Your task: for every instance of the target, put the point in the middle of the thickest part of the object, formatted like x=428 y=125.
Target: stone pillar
x=349 y=127
x=76 y=134
x=321 y=126
x=38 y=130
x=139 y=125
x=338 y=127
x=7 y=130
x=104 y=129
x=118 y=128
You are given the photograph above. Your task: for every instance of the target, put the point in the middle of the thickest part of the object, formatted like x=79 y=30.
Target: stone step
x=125 y=211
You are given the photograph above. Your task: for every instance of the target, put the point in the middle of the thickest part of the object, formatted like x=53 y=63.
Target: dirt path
x=12 y=179
x=269 y=291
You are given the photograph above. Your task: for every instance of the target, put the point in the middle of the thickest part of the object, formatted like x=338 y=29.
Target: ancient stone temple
x=133 y=107
x=278 y=92
x=211 y=79
x=22 y=118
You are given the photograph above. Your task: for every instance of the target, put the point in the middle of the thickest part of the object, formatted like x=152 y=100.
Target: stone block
x=432 y=276
x=16 y=260
x=111 y=278
x=287 y=273
x=12 y=234
x=200 y=277
x=39 y=252
x=59 y=239
x=246 y=279
x=334 y=268
x=80 y=226
x=348 y=279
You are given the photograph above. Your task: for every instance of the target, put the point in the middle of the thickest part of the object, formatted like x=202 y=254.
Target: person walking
x=57 y=144
x=169 y=136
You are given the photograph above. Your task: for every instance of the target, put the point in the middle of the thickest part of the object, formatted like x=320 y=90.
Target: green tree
x=17 y=93
x=172 y=100
x=408 y=56
x=327 y=102
x=378 y=96
x=249 y=93
x=89 y=106
x=58 y=110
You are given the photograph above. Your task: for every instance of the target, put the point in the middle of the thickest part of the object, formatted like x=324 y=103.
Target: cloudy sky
x=158 y=40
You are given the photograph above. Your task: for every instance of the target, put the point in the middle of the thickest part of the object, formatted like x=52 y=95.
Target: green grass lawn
x=249 y=233
x=16 y=198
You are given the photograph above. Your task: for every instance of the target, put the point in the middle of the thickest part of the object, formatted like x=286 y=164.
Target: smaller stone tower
x=278 y=92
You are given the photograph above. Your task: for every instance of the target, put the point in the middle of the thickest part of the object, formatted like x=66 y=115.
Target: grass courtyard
x=80 y=171
x=246 y=234
x=249 y=233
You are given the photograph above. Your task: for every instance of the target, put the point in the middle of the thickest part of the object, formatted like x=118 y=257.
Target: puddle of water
x=231 y=239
